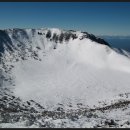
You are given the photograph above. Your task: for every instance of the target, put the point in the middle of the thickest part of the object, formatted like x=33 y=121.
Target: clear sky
x=99 y=18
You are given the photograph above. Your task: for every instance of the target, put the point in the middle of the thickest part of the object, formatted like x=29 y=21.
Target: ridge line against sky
x=99 y=18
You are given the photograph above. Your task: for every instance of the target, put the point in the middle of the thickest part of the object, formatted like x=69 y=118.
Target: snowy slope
x=65 y=74
x=53 y=66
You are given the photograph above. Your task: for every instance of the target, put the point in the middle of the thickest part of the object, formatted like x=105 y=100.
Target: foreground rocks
x=13 y=111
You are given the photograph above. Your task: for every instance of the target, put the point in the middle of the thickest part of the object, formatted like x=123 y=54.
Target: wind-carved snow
x=78 y=70
x=74 y=72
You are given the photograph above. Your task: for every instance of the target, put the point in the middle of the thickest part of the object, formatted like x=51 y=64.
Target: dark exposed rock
x=38 y=48
x=61 y=37
x=5 y=40
x=48 y=35
x=110 y=122
x=59 y=109
x=39 y=33
x=55 y=37
x=94 y=38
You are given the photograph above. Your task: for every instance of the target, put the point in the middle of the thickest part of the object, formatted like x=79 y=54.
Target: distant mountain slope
x=50 y=69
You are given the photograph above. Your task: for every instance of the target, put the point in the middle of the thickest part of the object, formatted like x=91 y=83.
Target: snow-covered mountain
x=50 y=70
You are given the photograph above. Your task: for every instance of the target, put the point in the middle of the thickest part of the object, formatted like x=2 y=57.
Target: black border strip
x=64 y=0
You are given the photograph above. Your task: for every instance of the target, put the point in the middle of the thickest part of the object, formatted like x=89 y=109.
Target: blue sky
x=99 y=18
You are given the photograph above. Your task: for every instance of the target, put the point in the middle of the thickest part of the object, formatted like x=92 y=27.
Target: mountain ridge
x=57 y=35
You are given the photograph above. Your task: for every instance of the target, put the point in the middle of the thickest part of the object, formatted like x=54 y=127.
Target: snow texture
x=53 y=66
